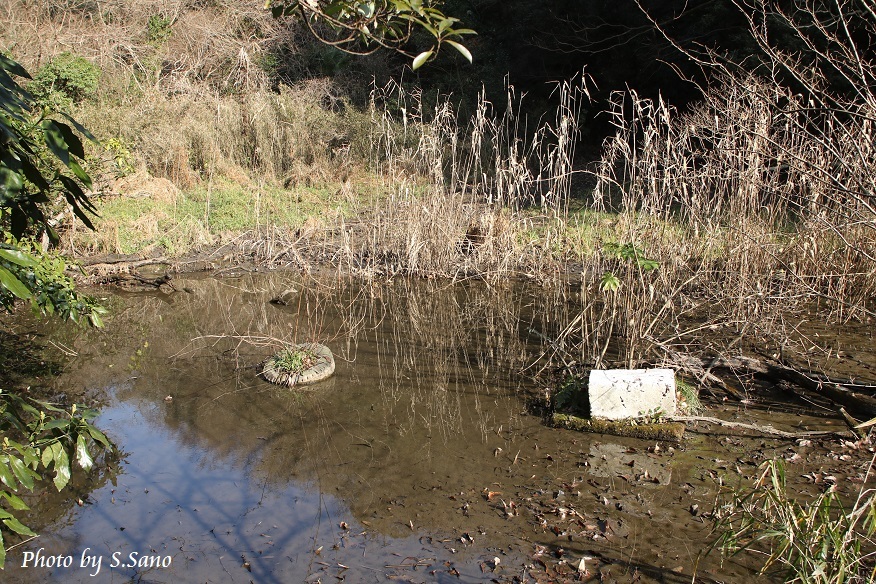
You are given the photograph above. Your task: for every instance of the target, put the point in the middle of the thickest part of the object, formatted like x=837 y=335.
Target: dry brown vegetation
x=755 y=205
x=407 y=187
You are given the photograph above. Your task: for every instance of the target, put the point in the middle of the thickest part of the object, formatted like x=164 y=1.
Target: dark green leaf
x=81 y=174
x=16 y=256
x=462 y=50
x=13 y=67
x=74 y=144
x=10 y=182
x=57 y=423
x=55 y=141
x=16 y=526
x=24 y=475
x=6 y=476
x=14 y=501
x=98 y=436
x=36 y=177
x=81 y=129
x=62 y=466
x=13 y=284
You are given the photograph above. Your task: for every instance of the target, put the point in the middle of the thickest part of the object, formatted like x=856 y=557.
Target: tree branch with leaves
x=362 y=27
x=41 y=155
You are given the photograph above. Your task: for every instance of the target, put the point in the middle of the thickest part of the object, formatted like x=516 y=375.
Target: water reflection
x=224 y=465
x=416 y=455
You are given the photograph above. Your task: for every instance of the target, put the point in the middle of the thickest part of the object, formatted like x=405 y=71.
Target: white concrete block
x=617 y=394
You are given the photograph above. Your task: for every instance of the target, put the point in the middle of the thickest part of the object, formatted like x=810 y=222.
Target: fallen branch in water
x=126 y=261
x=769 y=430
x=847 y=393
x=134 y=281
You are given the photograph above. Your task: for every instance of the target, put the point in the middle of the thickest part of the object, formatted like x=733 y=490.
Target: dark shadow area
x=23 y=360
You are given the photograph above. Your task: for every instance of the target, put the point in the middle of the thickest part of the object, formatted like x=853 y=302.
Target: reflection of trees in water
x=425 y=371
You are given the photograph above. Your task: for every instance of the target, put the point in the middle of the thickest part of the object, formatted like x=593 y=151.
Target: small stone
x=285 y=297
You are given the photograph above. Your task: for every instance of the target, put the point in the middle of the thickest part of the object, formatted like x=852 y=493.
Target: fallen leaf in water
x=343 y=525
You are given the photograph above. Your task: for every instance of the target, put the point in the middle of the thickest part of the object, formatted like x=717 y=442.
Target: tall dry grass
x=756 y=209
x=463 y=192
x=185 y=91
x=286 y=137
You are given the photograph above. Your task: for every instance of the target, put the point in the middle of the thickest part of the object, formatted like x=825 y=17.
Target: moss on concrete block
x=666 y=431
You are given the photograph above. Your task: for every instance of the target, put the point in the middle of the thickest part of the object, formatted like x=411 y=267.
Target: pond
x=418 y=461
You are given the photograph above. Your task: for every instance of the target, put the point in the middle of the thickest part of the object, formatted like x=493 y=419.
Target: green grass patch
x=206 y=214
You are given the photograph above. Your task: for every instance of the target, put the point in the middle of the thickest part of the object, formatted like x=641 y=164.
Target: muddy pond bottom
x=176 y=513
x=417 y=461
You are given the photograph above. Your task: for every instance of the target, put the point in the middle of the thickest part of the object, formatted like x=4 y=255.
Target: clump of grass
x=820 y=542
x=571 y=396
x=688 y=398
x=293 y=360
x=740 y=241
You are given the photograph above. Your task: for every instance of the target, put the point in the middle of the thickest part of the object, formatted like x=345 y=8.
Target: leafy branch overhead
x=40 y=163
x=28 y=177
x=362 y=27
x=40 y=438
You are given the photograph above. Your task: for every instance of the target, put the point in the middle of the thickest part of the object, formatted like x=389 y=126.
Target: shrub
x=66 y=79
x=158 y=29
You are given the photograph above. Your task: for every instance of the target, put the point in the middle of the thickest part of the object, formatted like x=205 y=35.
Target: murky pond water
x=417 y=461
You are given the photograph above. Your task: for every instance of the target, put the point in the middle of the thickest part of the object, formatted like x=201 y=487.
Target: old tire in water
x=323 y=367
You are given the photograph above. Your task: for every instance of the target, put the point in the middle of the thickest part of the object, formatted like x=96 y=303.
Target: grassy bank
x=738 y=215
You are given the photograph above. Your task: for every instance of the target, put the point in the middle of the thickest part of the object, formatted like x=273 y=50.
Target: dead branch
x=769 y=430
x=121 y=262
x=845 y=394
